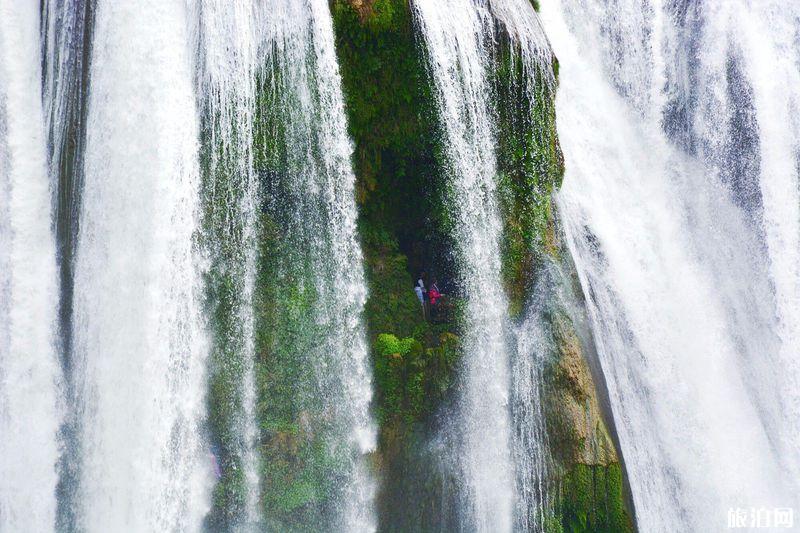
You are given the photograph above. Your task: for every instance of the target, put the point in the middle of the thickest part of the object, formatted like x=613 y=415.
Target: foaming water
x=139 y=346
x=30 y=377
x=500 y=462
x=681 y=208
x=457 y=43
x=313 y=199
x=229 y=43
x=66 y=38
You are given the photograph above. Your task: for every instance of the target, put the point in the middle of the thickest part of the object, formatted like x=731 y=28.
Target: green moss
x=392 y=120
x=592 y=500
x=383 y=15
x=392 y=306
x=531 y=169
x=391 y=117
x=411 y=380
x=384 y=78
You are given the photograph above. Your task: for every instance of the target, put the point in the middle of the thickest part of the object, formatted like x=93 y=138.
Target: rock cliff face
x=393 y=124
x=589 y=492
x=575 y=423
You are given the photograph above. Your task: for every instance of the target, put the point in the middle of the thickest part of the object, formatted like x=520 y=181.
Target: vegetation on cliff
x=403 y=229
x=393 y=123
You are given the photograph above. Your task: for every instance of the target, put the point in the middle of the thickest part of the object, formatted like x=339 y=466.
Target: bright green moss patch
x=411 y=380
x=592 y=500
x=531 y=168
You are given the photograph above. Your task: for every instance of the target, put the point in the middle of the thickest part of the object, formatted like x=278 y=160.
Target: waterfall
x=30 y=377
x=457 y=42
x=679 y=126
x=501 y=464
x=229 y=44
x=66 y=40
x=526 y=34
x=318 y=268
x=139 y=347
x=533 y=336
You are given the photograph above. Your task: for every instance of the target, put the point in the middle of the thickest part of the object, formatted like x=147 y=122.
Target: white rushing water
x=319 y=188
x=139 y=347
x=457 y=34
x=30 y=412
x=530 y=444
x=230 y=39
x=526 y=34
x=680 y=200
x=533 y=336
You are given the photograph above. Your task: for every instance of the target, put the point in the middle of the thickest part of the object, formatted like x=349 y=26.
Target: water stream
x=139 y=344
x=681 y=206
x=31 y=393
x=459 y=37
x=318 y=269
x=229 y=44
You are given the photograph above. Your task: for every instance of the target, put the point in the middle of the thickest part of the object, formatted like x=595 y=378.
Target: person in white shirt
x=419 y=288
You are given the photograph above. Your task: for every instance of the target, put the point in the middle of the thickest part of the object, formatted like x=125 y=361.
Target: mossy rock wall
x=590 y=500
x=393 y=122
x=576 y=429
x=590 y=479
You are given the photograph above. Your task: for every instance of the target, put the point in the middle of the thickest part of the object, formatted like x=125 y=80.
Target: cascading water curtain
x=524 y=109
x=457 y=35
x=229 y=46
x=30 y=375
x=313 y=278
x=139 y=346
x=66 y=51
x=681 y=202
x=502 y=461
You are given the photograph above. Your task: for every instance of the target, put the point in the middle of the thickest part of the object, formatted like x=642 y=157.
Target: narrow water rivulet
x=314 y=289
x=228 y=43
